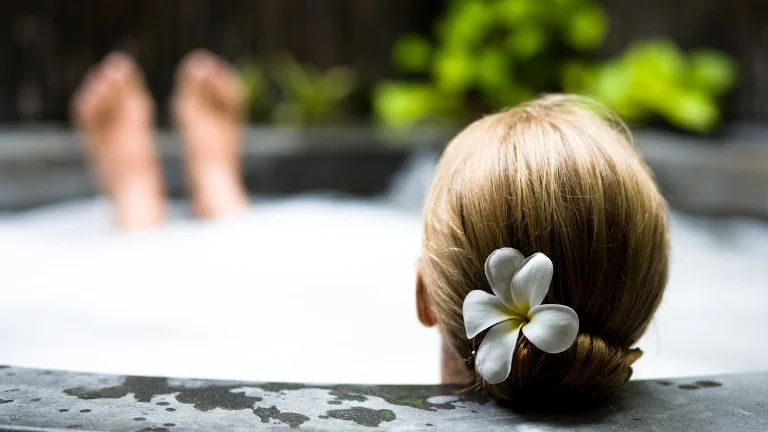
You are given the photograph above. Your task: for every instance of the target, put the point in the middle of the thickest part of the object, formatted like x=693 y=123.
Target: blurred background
x=350 y=103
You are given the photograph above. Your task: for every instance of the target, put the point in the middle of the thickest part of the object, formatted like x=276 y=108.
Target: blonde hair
x=558 y=175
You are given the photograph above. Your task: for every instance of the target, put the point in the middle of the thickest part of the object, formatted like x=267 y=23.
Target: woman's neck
x=453 y=368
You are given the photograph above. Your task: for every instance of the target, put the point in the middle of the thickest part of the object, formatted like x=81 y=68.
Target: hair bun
x=590 y=372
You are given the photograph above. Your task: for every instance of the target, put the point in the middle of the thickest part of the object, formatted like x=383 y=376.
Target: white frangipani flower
x=520 y=285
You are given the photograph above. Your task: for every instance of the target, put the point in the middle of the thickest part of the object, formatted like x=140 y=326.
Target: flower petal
x=552 y=328
x=482 y=310
x=530 y=283
x=499 y=269
x=494 y=356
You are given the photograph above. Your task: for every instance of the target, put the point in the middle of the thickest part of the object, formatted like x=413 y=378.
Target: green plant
x=655 y=77
x=488 y=54
x=285 y=92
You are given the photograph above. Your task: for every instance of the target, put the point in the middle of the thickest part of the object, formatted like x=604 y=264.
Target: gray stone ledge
x=42 y=400
x=44 y=164
x=709 y=176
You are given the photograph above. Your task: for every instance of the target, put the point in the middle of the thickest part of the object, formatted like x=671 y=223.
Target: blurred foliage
x=401 y=103
x=285 y=92
x=655 y=77
x=490 y=54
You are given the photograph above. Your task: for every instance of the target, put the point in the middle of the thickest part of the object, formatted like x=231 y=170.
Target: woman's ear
x=423 y=308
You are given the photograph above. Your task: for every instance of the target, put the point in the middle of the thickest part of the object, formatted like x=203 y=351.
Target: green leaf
x=694 y=111
x=493 y=68
x=576 y=76
x=509 y=95
x=658 y=60
x=713 y=71
x=514 y=12
x=612 y=85
x=453 y=71
x=308 y=95
x=465 y=24
x=403 y=105
x=412 y=53
x=339 y=81
x=254 y=81
x=565 y=4
x=527 y=41
x=291 y=77
x=587 y=27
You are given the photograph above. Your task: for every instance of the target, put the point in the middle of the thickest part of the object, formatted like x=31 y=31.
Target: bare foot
x=208 y=105
x=114 y=112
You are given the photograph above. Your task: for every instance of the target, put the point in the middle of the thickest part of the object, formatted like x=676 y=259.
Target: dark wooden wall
x=47 y=45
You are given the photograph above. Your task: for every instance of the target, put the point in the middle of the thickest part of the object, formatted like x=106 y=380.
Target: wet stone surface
x=363 y=416
x=49 y=400
x=294 y=420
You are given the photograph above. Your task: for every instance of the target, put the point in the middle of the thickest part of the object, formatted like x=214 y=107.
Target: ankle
x=139 y=203
x=218 y=192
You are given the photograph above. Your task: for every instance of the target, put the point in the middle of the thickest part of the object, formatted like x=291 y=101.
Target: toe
x=89 y=104
x=122 y=65
x=193 y=65
x=117 y=70
x=119 y=59
x=123 y=71
x=107 y=87
x=226 y=84
x=219 y=81
x=208 y=82
x=116 y=78
x=81 y=98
